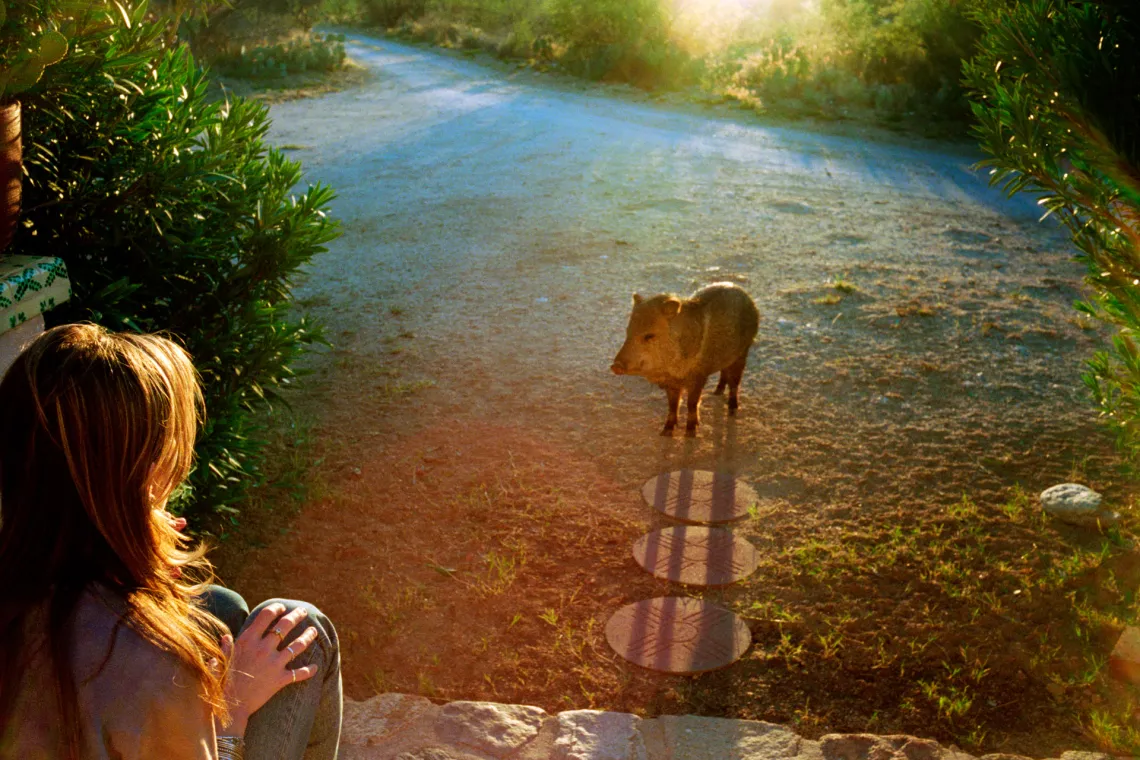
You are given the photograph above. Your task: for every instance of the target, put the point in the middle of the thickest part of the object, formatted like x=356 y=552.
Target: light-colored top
x=143 y=704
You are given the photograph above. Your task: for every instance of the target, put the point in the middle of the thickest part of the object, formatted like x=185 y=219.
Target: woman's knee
x=227 y=606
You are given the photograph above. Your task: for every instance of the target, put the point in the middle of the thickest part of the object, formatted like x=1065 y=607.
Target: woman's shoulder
x=105 y=647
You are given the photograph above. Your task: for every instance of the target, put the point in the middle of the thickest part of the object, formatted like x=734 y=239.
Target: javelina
x=677 y=344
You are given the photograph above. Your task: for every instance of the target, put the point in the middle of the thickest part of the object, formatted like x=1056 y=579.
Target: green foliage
x=625 y=40
x=230 y=25
x=297 y=56
x=30 y=41
x=173 y=216
x=897 y=58
x=388 y=13
x=1056 y=90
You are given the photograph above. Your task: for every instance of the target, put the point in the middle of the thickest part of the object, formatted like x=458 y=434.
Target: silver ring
x=290 y=650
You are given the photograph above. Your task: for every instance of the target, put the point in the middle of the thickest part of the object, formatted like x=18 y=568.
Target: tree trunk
x=11 y=171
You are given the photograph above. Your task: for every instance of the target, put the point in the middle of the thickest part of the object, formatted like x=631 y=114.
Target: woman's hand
x=258 y=669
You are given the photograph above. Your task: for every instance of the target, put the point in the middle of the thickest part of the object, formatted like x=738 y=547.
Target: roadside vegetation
x=268 y=50
x=896 y=63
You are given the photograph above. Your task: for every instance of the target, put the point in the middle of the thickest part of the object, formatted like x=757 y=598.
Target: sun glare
x=704 y=25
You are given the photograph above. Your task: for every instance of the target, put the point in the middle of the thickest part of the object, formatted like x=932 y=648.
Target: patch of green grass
x=1114 y=731
x=844 y=286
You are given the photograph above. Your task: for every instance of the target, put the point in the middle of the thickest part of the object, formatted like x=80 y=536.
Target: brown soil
x=470 y=523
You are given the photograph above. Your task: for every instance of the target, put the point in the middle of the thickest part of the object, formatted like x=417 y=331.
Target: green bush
x=313 y=53
x=389 y=13
x=1056 y=90
x=622 y=40
x=171 y=215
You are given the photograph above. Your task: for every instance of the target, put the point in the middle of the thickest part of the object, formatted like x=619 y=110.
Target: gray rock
x=872 y=747
x=378 y=719
x=428 y=753
x=695 y=738
x=1085 y=756
x=495 y=729
x=1124 y=662
x=597 y=735
x=1077 y=505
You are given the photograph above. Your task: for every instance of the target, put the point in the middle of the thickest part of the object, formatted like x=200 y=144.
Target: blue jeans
x=302 y=721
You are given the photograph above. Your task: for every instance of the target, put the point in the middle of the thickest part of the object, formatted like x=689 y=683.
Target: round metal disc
x=699 y=496
x=673 y=634
x=696 y=555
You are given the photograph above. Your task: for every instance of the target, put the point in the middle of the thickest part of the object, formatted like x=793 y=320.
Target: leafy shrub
x=624 y=40
x=173 y=216
x=389 y=13
x=314 y=53
x=1056 y=90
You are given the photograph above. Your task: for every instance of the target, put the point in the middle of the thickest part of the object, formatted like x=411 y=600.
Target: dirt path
x=482 y=465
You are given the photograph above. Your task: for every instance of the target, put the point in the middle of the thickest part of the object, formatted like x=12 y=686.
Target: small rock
x=695 y=738
x=785 y=324
x=378 y=719
x=427 y=753
x=871 y=747
x=496 y=729
x=1074 y=755
x=1124 y=663
x=597 y=735
x=1077 y=505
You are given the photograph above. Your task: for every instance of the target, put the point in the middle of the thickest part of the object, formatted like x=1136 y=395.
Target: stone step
x=406 y=727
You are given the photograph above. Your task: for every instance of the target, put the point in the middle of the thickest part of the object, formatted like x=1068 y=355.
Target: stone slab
x=499 y=730
x=696 y=555
x=695 y=738
x=699 y=496
x=1124 y=662
x=598 y=735
x=873 y=747
x=673 y=634
x=380 y=719
x=403 y=727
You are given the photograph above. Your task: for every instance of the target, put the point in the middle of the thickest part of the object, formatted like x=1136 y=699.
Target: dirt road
x=917 y=343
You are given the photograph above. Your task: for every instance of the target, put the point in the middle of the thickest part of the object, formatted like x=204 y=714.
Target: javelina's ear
x=637 y=299
x=671 y=307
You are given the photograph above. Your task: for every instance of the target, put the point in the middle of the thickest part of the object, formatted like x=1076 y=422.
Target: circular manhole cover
x=673 y=634
x=699 y=496
x=696 y=555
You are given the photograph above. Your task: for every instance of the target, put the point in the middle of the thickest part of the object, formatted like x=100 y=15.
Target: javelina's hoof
x=667 y=430
x=690 y=432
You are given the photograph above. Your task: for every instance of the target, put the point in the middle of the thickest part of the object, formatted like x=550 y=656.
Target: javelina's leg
x=694 y=392
x=721 y=383
x=674 y=396
x=735 y=372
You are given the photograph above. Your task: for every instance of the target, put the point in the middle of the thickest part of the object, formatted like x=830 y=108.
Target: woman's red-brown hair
x=96 y=432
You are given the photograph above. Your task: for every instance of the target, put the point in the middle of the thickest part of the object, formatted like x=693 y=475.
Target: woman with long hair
x=113 y=643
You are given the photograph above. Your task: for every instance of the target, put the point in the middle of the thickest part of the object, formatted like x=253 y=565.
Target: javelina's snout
x=618 y=367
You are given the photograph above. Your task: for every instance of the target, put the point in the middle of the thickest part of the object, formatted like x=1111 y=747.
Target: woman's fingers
x=260 y=626
x=299 y=674
x=299 y=644
x=286 y=624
